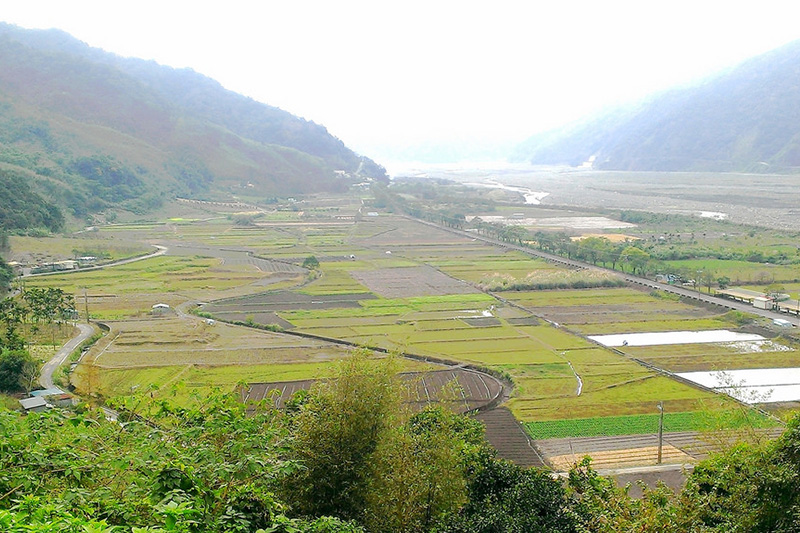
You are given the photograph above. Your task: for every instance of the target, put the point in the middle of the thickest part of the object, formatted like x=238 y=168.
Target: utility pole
x=660 y=429
x=86 y=304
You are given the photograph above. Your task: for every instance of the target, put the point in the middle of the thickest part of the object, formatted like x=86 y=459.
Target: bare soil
x=409 y=282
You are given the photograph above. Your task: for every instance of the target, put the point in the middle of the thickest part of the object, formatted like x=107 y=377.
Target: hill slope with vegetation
x=90 y=130
x=347 y=458
x=746 y=119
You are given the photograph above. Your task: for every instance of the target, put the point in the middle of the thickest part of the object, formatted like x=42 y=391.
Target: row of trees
x=625 y=256
x=347 y=457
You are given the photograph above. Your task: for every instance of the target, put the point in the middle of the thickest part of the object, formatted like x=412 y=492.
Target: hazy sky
x=395 y=73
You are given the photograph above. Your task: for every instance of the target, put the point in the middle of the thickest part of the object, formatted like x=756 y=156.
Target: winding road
x=46 y=376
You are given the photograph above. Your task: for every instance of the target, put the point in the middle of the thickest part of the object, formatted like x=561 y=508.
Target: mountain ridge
x=746 y=118
x=78 y=118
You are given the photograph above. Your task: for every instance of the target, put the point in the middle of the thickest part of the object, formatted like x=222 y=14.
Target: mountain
x=89 y=130
x=745 y=119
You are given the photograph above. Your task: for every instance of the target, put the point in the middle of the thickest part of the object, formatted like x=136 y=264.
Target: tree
x=364 y=457
x=311 y=263
x=749 y=487
x=598 y=505
x=6 y=272
x=636 y=257
x=707 y=279
x=594 y=249
x=336 y=433
x=418 y=473
x=18 y=370
x=504 y=497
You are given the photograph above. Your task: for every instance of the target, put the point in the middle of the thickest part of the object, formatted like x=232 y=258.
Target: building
x=161 y=309
x=36 y=404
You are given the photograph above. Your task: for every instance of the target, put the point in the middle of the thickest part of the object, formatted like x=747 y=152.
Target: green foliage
x=750 y=487
x=167 y=467
x=640 y=424
x=336 y=434
x=598 y=505
x=363 y=457
x=505 y=497
x=110 y=179
x=18 y=370
x=33 y=514
x=417 y=474
x=23 y=209
x=311 y=262
x=664 y=295
x=738 y=317
x=6 y=276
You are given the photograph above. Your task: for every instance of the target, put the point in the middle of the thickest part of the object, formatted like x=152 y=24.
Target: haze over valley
x=370 y=268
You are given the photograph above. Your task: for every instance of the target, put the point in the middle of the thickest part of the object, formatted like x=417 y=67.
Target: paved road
x=161 y=250
x=46 y=376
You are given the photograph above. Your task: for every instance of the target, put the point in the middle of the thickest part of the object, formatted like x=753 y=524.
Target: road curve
x=46 y=376
x=160 y=250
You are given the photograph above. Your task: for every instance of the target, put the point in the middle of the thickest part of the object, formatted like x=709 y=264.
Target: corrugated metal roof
x=33 y=403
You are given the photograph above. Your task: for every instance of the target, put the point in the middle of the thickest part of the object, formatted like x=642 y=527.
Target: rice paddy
x=423 y=298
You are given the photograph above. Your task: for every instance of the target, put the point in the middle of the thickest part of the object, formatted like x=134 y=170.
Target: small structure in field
x=161 y=309
x=763 y=302
x=36 y=404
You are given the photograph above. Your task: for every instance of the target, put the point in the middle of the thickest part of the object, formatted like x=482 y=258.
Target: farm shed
x=35 y=404
x=161 y=309
x=762 y=302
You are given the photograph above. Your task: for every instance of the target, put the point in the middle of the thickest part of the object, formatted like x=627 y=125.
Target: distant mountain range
x=88 y=130
x=746 y=119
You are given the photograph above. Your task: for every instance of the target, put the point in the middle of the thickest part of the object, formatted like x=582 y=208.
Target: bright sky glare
x=381 y=74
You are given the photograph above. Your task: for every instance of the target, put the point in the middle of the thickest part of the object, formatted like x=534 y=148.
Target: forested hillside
x=746 y=119
x=90 y=130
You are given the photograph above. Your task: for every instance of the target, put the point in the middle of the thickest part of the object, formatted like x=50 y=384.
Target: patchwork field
x=422 y=298
x=161 y=352
x=557 y=374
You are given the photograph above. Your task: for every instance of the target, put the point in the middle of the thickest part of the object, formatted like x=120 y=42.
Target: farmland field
x=386 y=282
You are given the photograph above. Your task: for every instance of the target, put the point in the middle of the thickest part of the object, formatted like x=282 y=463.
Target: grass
x=334 y=281
x=636 y=424
x=646 y=326
x=132 y=289
x=179 y=382
x=740 y=271
x=626 y=393
x=58 y=248
x=538 y=358
x=582 y=297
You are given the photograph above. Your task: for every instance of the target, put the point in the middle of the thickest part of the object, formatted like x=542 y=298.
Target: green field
x=535 y=337
x=635 y=424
